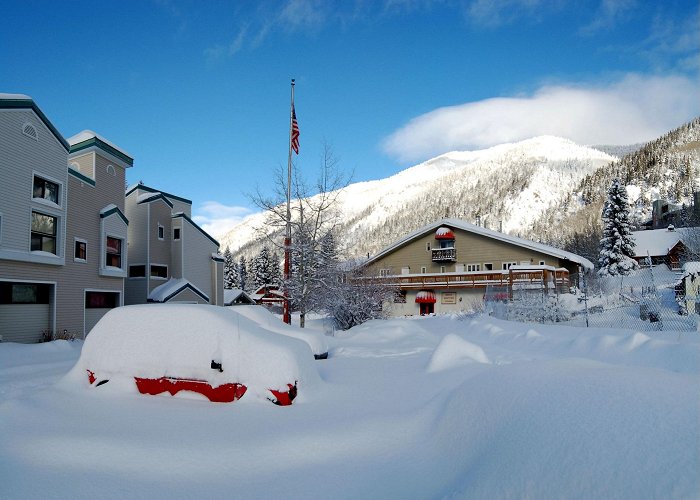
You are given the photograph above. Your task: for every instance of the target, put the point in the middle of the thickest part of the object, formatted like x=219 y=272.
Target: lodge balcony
x=444 y=255
x=545 y=279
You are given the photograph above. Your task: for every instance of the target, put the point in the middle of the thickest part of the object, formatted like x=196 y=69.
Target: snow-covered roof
x=691 y=267
x=22 y=101
x=489 y=233
x=233 y=294
x=172 y=287
x=15 y=96
x=86 y=135
x=656 y=242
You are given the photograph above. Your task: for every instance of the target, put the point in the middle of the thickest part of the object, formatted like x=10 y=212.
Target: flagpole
x=287 y=317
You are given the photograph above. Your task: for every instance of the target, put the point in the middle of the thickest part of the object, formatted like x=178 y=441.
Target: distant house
x=171 y=258
x=63 y=233
x=661 y=246
x=269 y=296
x=445 y=265
x=236 y=296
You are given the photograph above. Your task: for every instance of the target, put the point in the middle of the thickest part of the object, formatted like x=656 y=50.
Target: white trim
x=474 y=267
x=488 y=264
x=52 y=300
x=44 y=201
x=59 y=234
x=80 y=240
x=111 y=170
x=158 y=277
x=161 y=229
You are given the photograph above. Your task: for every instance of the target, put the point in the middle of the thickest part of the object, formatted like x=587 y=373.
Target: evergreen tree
x=230 y=273
x=263 y=269
x=617 y=244
x=242 y=274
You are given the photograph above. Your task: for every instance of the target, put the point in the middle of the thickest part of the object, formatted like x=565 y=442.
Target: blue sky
x=198 y=92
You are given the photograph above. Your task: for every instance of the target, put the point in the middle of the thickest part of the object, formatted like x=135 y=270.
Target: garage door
x=25 y=311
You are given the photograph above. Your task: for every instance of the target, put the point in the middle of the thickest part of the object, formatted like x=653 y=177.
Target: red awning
x=425 y=297
x=444 y=233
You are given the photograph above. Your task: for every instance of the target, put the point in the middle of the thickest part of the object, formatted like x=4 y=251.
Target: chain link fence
x=651 y=299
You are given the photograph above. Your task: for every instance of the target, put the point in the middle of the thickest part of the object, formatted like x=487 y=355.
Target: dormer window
x=45 y=190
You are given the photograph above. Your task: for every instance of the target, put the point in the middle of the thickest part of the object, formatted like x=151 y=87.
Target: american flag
x=295 y=131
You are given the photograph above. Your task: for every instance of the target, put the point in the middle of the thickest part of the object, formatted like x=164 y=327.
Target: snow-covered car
x=261 y=315
x=159 y=348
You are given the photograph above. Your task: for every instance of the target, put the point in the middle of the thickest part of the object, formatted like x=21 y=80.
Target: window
x=45 y=190
x=80 y=250
x=427 y=247
x=137 y=271
x=473 y=267
x=113 y=257
x=43 y=233
x=400 y=297
x=542 y=263
x=158 y=271
x=423 y=270
x=176 y=233
x=384 y=272
x=488 y=266
x=506 y=265
x=101 y=300
x=447 y=243
x=161 y=232
x=442 y=269
x=24 y=293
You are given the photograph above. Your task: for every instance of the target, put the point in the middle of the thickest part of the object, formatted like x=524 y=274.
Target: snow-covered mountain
x=506 y=186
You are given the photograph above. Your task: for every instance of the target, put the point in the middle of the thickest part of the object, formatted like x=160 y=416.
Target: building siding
x=20 y=157
x=470 y=249
x=197 y=251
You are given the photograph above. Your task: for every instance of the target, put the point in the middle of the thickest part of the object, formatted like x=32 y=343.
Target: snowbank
x=261 y=316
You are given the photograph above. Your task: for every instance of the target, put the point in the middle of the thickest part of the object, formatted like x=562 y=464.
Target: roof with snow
x=489 y=233
x=691 y=267
x=657 y=242
x=143 y=187
x=236 y=296
x=88 y=138
x=171 y=288
x=21 y=101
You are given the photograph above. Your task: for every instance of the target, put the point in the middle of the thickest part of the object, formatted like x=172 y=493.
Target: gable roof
x=489 y=233
x=21 y=101
x=657 y=242
x=171 y=288
x=151 y=197
x=88 y=138
x=233 y=294
x=113 y=209
x=184 y=216
x=143 y=187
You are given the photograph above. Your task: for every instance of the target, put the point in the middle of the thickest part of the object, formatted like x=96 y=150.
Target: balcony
x=444 y=255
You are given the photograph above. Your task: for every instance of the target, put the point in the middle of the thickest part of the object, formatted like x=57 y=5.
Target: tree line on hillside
x=666 y=168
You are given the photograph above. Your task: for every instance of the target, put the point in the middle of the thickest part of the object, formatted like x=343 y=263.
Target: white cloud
x=634 y=109
x=217 y=219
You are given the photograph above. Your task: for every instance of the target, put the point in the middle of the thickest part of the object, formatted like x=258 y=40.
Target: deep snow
x=420 y=408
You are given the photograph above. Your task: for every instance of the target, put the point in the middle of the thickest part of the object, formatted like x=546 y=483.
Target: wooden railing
x=478 y=280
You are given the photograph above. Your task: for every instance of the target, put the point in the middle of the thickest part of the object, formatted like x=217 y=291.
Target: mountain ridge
x=520 y=180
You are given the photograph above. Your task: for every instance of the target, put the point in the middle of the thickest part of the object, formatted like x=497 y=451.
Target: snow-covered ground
x=418 y=408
